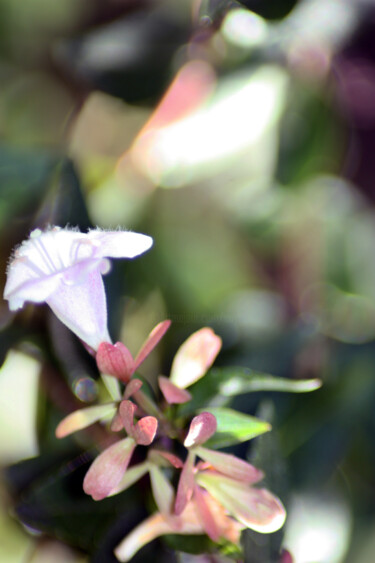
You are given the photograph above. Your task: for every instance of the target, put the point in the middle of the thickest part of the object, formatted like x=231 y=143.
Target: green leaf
x=234 y=427
x=220 y=385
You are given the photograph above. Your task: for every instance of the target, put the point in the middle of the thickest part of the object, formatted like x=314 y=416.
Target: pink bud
x=115 y=360
x=202 y=427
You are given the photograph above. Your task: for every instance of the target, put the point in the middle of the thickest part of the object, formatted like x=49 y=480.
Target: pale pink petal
x=173 y=394
x=185 y=484
x=119 y=244
x=116 y=360
x=202 y=427
x=63 y=267
x=83 y=309
x=153 y=339
x=165 y=459
x=145 y=429
x=205 y=515
x=132 y=387
x=127 y=410
x=31 y=289
x=162 y=490
x=38 y=261
x=84 y=417
x=195 y=357
x=230 y=465
x=257 y=509
x=108 y=468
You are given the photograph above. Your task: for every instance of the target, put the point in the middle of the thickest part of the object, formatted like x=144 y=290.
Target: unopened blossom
x=117 y=360
x=64 y=268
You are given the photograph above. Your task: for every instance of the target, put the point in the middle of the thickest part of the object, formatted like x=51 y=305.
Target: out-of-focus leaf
x=266 y=455
x=65 y=203
x=247 y=382
x=24 y=180
x=55 y=503
x=234 y=427
x=219 y=385
x=142 y=46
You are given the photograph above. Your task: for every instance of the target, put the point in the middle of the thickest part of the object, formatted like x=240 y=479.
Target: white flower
x=64 y=268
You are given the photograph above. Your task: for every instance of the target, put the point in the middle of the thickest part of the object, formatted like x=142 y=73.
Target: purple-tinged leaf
x=185 y=484
x=145 y=429
x=153 y=339
x=132 y=387
x=205 y=515
x=257 y=509
x=230 y=465
x=173 y=394
x=165 y=459
x=107 y=470
x=127 y=410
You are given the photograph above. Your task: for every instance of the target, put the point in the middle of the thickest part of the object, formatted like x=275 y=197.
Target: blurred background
x=241 y=136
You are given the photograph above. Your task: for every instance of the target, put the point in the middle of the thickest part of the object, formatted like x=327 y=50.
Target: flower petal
x=173 y=394
x=153 y=339
x=230 y=465
x=194 y=357
x=257 y=509
x=82 y=418
x=202 y=427
x=108 y=468
x=83 y=309
x=116 y=360
x=119 y=244
x=35 y=290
